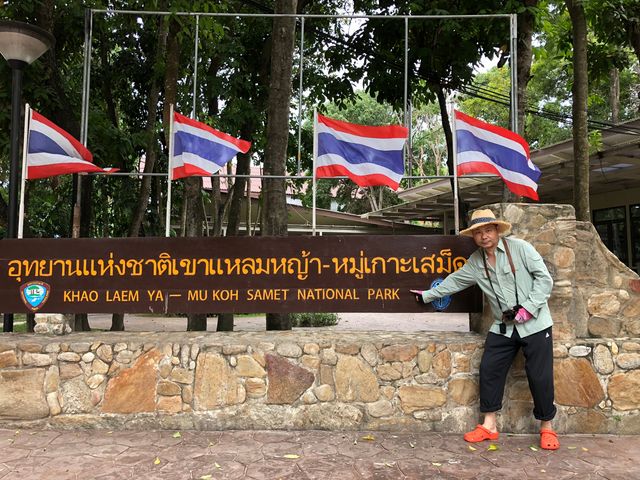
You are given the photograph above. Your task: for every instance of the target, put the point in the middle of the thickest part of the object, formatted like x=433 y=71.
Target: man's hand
x=522 y=315
x=418 y=294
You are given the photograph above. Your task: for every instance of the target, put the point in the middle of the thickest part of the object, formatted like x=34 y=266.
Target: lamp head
x=21 y=43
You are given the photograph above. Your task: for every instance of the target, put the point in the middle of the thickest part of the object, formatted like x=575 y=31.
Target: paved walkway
x=98 y=454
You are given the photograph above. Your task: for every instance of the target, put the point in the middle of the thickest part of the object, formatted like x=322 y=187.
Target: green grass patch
x=19 y=327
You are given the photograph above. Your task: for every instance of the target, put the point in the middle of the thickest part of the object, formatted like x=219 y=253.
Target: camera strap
x=513 y=271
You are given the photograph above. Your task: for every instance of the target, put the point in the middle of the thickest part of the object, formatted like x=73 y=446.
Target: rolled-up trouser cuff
x=548 y=417
x=490 y=408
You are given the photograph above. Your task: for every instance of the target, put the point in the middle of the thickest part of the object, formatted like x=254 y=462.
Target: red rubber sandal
x=549 y=440
x=479 y=434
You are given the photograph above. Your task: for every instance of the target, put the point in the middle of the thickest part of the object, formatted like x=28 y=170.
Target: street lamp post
x=20 y=44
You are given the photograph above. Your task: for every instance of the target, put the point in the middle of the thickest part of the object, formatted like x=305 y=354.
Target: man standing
x=515 y=280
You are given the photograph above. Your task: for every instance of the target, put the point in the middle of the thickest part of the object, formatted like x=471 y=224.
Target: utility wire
x=485 y=93
x=474 y=90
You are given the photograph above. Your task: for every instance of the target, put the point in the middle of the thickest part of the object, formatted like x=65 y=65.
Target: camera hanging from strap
x=503 y=326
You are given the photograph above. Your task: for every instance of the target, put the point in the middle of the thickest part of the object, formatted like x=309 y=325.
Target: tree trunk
x=117 y=322
x=243 y=168
x=225 y=320
x=171 y=74
x=372 y=199
x=614 y=94
x=145 y=187
x=526 y=22
x=151 y=153
x=81 y=323
x=117 y=319
x=248 y=208
x=3 y=212
x=86 y=215
x=192 y=185
x=274 y=213
x=579 y=92
x=448 y=134
x=183 y=218
x=62 y=115
x=86 y=208
x=31 y=322
x=105 y=81
x=216 y=203
x=633 y=31
x=446 y=126
x=193 y=228
x=156 y=221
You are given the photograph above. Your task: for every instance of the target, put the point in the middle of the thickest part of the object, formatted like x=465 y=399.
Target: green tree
x=549 y=102
x=436 y=67
x=428 y=142
x=579 y=92
x=274 y=212
x=617 y=22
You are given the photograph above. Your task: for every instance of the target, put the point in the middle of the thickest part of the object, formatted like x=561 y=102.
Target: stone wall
x=314 y=379
x=299 y=380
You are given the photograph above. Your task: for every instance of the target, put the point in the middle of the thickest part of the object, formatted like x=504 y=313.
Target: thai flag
x=201 y=150
x=53 y=151
x=367 y=155
x=486 y=148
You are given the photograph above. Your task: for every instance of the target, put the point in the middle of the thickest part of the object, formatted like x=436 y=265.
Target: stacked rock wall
x=300 y=380
x=295 y=380
x=594 y=294
x=320 y=379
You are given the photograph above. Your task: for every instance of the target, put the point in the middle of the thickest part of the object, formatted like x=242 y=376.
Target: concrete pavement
x=209 y=455
x=398 y=322
x=306 y=455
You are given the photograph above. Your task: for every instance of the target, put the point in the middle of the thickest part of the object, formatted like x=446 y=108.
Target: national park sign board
x=230 y=274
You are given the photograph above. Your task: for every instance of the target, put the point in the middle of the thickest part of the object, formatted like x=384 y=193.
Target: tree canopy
x=352 y=69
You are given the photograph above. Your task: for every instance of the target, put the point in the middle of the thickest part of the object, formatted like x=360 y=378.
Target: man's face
x=486 y=237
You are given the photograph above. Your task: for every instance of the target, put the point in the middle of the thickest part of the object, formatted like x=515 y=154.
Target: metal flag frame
x=86 y=81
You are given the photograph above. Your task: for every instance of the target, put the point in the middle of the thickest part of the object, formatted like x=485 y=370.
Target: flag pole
x=169 y=174
x=456 y=204
x=23 y=180
x=313 y=184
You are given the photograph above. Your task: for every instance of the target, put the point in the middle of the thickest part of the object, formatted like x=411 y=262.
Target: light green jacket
x=533 y=280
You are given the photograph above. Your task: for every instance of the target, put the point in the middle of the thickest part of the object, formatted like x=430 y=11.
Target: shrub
x=19 y=327
x=314 y=319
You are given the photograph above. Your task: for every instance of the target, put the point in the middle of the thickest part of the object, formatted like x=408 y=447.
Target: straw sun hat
x=480 y=218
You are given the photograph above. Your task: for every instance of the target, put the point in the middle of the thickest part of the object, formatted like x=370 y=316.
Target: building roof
x=340 y=223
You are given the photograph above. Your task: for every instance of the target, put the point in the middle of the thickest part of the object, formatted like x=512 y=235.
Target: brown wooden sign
x=230 y=274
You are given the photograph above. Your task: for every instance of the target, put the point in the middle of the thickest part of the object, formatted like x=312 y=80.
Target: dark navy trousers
x=499 y=352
